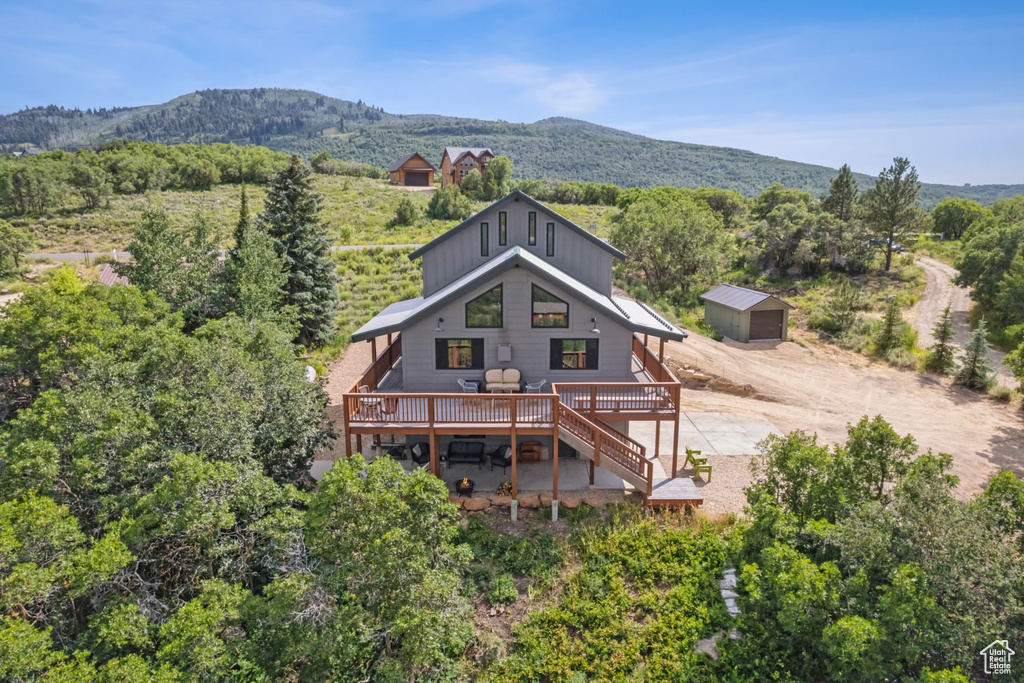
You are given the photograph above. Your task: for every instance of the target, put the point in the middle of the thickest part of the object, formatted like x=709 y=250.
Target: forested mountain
x=305 y=122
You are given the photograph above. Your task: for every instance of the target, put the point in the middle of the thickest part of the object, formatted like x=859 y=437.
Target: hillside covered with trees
x=307 y=123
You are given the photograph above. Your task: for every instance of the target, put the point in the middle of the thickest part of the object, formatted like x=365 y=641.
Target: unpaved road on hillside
x=820 y=388
x=938 y=292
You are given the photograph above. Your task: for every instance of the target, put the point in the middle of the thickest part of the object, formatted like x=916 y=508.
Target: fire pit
x=465 y=486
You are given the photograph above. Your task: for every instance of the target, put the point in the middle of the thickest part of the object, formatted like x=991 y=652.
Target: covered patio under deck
x=577 y=414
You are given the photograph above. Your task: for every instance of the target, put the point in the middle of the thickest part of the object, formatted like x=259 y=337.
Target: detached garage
x=746 y=315
x=412 y=170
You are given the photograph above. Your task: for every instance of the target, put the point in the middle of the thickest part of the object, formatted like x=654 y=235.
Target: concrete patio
x=710 y=433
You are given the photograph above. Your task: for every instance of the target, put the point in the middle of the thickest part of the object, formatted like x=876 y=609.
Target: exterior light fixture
x=438 y=328
x=594 y=330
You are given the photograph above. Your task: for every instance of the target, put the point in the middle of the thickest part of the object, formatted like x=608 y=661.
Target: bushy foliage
x=40 y=182
x=406 y=213
x=854 y=564
x=14 y=244
x=975 y=369
x=940 y=355
x=449 y=204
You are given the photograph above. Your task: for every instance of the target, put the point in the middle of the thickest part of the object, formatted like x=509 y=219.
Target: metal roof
x=738 y=298
x=629 y=314
x=110 y=277
x=398 y=164
x=586 y=234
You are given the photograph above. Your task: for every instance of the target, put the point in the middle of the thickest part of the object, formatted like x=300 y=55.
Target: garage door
x=417 y=178
x=765 y=325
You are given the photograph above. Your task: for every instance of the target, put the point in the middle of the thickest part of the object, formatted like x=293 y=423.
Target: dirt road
x=938 y=292
x=820 y=388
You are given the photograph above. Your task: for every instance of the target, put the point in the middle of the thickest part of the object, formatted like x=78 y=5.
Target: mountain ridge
x=305 y=122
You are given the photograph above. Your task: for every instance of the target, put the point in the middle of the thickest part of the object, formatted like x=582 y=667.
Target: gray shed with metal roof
x=746 y=315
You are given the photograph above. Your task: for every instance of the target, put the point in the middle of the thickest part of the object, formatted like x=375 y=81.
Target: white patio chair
x=370 y=405
x=469 y=387
x=534 y=387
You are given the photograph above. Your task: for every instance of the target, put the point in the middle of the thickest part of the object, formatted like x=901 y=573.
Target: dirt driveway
x=820 y=388
x=938 y=292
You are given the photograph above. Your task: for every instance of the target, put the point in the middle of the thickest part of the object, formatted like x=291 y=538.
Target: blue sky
x=941 y=83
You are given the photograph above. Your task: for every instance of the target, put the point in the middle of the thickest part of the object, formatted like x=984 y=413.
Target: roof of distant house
x=738 y=298
x=110 y=277
x=630 y=314
x=401 y=162
x=455 y=152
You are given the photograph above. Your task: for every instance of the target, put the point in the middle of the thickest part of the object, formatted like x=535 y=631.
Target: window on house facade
x=548 y=309
x=574 y=354
x=483 y=239
x=502 y=229
x=551 y=239
x=459 y=354
x=532 y=228
x=485 y=310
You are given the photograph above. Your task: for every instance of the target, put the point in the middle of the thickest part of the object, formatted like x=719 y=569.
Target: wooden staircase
x=624 y=457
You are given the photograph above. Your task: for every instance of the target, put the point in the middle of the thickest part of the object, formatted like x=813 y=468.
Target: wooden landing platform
x=678 y=492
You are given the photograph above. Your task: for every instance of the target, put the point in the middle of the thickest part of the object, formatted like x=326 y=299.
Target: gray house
x=518 y=300
x=746 y=315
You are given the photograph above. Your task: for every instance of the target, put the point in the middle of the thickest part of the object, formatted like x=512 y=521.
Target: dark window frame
x=591 y=353
x=484 y=239
x=531 y=222
x=502 y=228
x=501 y=309
x=476 y=353
x=550 y=239
x=533 y=315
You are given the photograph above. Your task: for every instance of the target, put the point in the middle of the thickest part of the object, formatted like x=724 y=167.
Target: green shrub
x=449 y=204
x=502 y=590
x=406 y=213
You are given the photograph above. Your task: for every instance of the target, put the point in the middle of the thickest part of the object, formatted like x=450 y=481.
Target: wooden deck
x=679 y=492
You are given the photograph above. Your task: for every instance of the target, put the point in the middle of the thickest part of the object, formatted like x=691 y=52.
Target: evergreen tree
x=889 y=332
x=892 y=205
x=291 y=216
x=940 y=355
x=842 y=194
x=975 y=367
x=497 y=181
x=254 y=277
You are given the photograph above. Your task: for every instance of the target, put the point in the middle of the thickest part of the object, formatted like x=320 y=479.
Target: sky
x=940 y=83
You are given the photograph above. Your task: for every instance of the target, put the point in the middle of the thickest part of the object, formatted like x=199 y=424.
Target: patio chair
x=502 y=457
x=420 y=454
x=693 y=458
x=370 y=405
x=469 y=387
x=534 y=387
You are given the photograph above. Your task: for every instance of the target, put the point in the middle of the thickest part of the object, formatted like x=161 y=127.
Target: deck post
x=373 y=348
x=657 y=438
x=348 y=435
x=554 y=460
x=661 y=353
x=675 y=433
x=389 y=339
x=590 y=467
x=435 y=457
x=515 y=448
x=359 y=443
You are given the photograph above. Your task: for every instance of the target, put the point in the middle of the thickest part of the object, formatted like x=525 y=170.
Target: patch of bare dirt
x=821 y=388
x=940 y=291
x=341 y=375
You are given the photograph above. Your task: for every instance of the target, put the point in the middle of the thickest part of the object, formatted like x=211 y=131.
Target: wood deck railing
x=610 y=398
x=448 y=409
x=607 y=445
x=380 y=366
x=650 y=362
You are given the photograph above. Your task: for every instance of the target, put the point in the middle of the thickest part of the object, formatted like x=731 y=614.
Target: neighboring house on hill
x=517 y=297
x=412 y=170
x=456 y=162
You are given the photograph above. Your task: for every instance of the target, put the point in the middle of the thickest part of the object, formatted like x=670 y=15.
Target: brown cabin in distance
x=412 y=170
x=456 y=162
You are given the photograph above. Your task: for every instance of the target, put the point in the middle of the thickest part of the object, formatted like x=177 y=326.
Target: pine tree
x=975 y=367
x=842 y=194
x=242 y=227
x=254 y=276
x=889 y=333
x=291 y=217
x=940 y=355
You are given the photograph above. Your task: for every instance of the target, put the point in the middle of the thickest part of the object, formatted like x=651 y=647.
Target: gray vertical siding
x=459 y=254
x=530 y=346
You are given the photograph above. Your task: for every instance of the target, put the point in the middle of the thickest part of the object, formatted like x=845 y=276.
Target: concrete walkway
x=710 y=433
